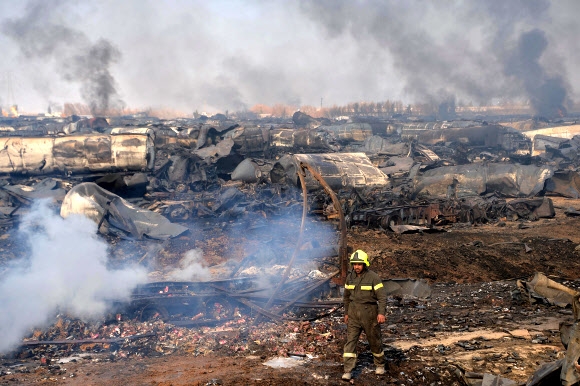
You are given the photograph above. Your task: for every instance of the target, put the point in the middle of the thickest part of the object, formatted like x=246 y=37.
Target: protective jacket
x=365 y=289
x=364 y=298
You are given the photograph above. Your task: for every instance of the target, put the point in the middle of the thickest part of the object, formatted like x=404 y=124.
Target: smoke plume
x=547 y=94
x=73 y=56
x=230 y=55
x=65 y=271
x=494 y=55
x=191 y=268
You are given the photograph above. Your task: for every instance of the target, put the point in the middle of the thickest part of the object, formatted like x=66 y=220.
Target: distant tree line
x=386 y=108
x=446 y=108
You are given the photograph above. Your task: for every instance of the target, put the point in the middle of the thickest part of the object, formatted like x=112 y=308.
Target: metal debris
x=112 y=212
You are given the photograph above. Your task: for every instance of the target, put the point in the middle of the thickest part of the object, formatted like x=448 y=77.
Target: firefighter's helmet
x=359 y=257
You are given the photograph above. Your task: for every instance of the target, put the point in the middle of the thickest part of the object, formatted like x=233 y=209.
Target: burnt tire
x=388 y=221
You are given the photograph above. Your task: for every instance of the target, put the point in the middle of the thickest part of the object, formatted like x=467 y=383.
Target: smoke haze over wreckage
x=182 y=184
x=220 y=56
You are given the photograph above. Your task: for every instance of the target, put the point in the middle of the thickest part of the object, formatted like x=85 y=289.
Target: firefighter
x=365 y=303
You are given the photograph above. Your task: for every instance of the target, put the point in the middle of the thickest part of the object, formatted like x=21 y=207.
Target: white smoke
x=191 y=267
x=65 y=271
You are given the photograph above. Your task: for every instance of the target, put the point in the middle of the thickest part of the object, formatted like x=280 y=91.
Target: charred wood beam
x=162 y=168
x=297 y=303
x=23 y=200
x=293 y=301
x=14 y=210
x=254 y=294
x=83 y=341
x=305 y=292
x=276 y=317
x=245 y=300
x=260 y=310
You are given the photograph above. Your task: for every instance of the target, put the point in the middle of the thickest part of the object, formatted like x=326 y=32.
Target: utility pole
x=321 y=104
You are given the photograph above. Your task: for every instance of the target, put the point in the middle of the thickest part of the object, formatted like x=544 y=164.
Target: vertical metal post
x=342 y=247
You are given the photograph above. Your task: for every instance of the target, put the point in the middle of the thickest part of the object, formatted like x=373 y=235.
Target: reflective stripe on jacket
x=365 y=289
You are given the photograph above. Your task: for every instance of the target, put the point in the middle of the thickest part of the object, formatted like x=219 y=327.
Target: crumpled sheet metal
x=214 y=152
x=339 y=170
x=380 y=145
x=400 y=229
x=350 y=131
x=287 y=138
x=570 y=335
x=542 y=142
x=95 y=203
x=47 y=188
x=570 y=374
x=512 y=180
x=559 y=131
x=427 y=153
x=541 y=207
x=517 y=180
x=250 y=139
x=417 y=288
x=547 y=374
x=120 y=150
x=481 y=135
x=486 y=379
x=564 y=183
x=247 y=171
x=496 y=380
x=436 y=182
x=543 y=287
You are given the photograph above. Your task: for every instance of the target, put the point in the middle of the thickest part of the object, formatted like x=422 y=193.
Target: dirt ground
x=472 y=323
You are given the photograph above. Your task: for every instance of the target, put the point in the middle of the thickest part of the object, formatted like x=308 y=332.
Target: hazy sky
x=229 y=55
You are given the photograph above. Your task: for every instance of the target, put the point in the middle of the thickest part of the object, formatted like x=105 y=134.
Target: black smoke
x=41 y=34
x=439 y=60
x=233 y=55
x=547 y=93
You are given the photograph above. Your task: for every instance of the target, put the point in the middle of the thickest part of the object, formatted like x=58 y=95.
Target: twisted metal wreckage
x=393 y=177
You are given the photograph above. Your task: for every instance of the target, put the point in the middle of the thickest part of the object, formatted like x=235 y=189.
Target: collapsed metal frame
x=162 y=298
x=342 y=247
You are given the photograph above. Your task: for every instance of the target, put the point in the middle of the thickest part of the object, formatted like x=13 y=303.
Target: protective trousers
x=363 y=317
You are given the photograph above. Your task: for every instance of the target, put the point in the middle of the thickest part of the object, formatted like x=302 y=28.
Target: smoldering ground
x=64 y=271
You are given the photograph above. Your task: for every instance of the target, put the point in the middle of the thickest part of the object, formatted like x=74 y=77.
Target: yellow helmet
x=359 y=257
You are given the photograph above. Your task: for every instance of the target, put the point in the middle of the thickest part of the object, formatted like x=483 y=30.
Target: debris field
x=243 y=230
